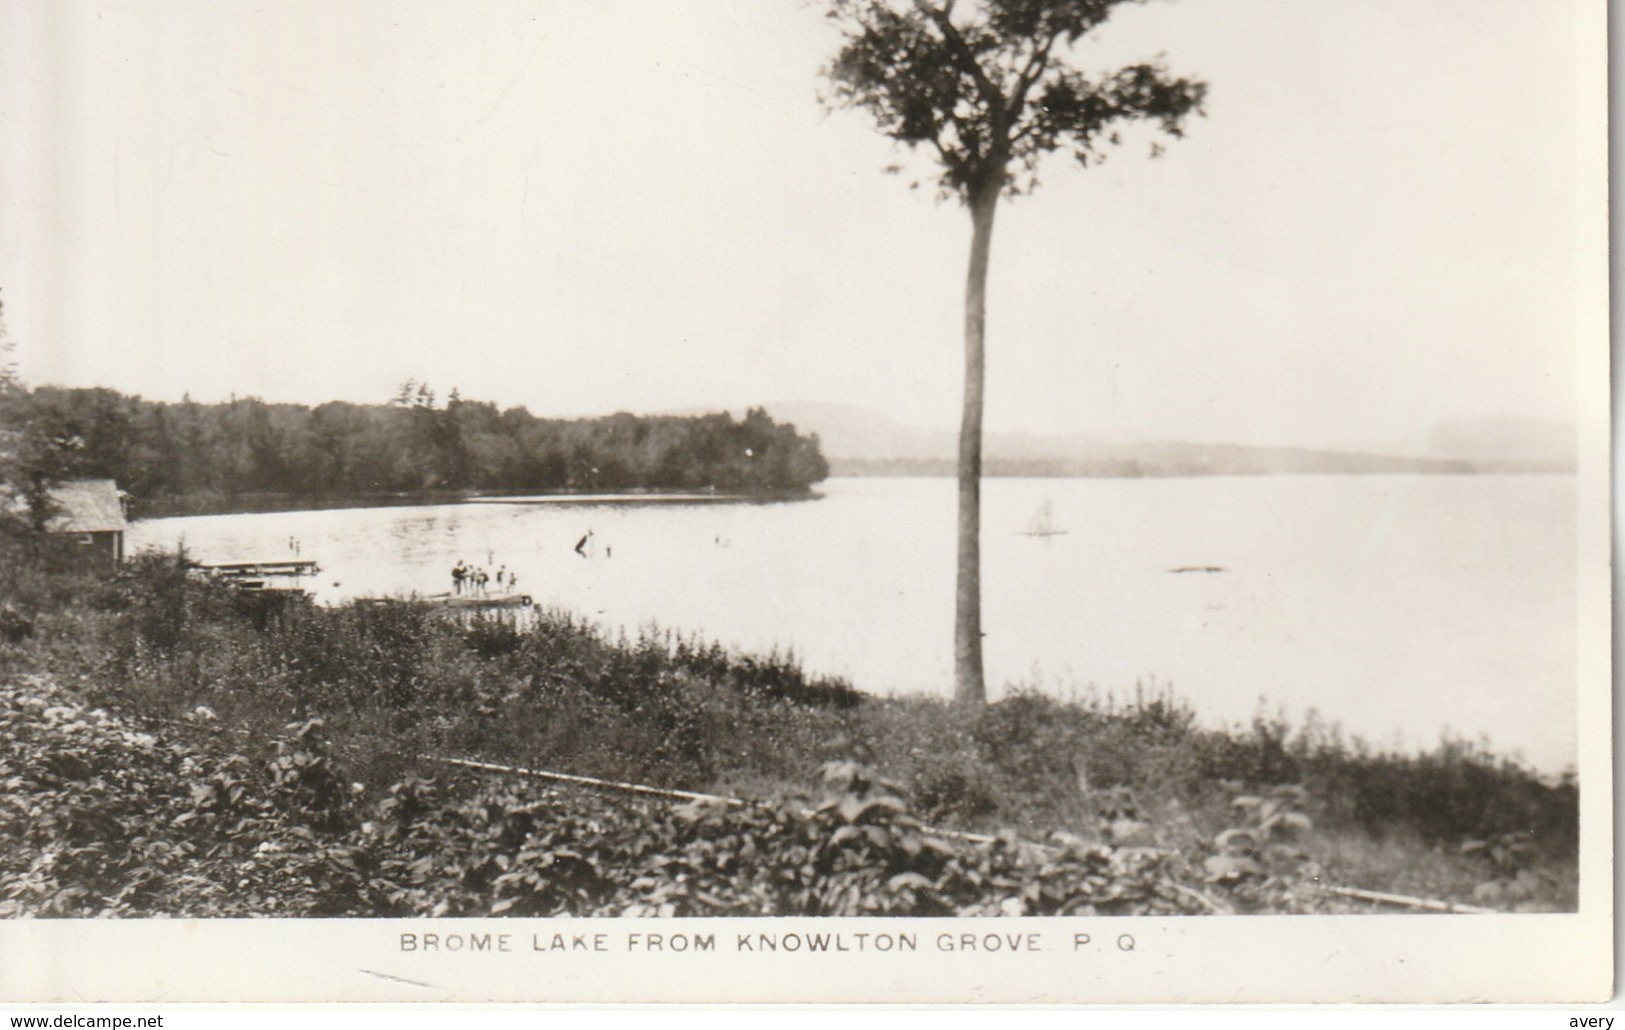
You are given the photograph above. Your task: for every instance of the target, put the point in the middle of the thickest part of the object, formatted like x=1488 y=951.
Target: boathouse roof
x=87 y=506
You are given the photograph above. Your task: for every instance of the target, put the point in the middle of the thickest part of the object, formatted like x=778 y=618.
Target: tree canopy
x=213 y=452
x=987 y=86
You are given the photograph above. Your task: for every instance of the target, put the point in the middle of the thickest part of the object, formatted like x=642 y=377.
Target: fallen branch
x=586 y=781
x=677 y=795
x=976 y=838
x=1406 y=901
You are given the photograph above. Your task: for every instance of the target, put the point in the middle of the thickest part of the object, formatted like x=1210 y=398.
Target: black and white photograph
x=804 y=500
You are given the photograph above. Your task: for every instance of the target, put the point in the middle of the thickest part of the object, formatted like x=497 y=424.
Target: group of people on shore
x=475 y=581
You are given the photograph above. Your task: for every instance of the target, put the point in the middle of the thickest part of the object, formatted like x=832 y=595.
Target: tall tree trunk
x=969 y=687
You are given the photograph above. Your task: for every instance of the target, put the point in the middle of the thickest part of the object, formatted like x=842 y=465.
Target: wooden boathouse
x=91 y=510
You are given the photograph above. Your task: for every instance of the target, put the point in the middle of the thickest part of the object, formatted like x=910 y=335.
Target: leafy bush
x=106 y=820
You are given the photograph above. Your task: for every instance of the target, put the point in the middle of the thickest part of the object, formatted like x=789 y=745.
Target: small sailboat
x=1043 y=521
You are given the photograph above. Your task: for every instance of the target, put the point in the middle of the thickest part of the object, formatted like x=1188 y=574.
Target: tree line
x=160 y=451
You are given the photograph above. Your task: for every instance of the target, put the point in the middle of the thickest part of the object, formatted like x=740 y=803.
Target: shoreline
x=254 y=504
x=264 y=503
x=933 y=468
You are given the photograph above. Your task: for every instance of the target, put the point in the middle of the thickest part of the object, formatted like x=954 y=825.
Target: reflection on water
x=1396 y=605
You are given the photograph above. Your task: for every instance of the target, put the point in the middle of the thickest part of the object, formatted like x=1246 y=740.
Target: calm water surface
x=1397 y=606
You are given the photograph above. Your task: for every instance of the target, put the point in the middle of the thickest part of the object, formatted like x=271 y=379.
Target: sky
x=585 y=206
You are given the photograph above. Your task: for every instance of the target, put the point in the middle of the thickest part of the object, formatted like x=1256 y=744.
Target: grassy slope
x=394 y=683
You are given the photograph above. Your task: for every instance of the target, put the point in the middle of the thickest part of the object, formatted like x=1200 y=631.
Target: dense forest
x=215 y=452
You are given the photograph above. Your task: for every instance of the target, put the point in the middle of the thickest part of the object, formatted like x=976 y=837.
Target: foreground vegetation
x=172 y=747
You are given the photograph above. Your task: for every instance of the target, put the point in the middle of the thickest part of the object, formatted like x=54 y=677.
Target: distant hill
x=865 y=434
x=1498 y=441
x=860 y=441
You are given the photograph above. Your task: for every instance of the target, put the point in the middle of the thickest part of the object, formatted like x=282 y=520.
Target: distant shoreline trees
x=189 y=451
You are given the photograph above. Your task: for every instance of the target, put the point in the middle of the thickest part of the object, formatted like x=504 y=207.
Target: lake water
x=1397 y=606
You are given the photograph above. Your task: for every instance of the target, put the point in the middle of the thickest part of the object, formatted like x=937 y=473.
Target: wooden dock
x=463 y=604
x=483 y=603
x=234 y=569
